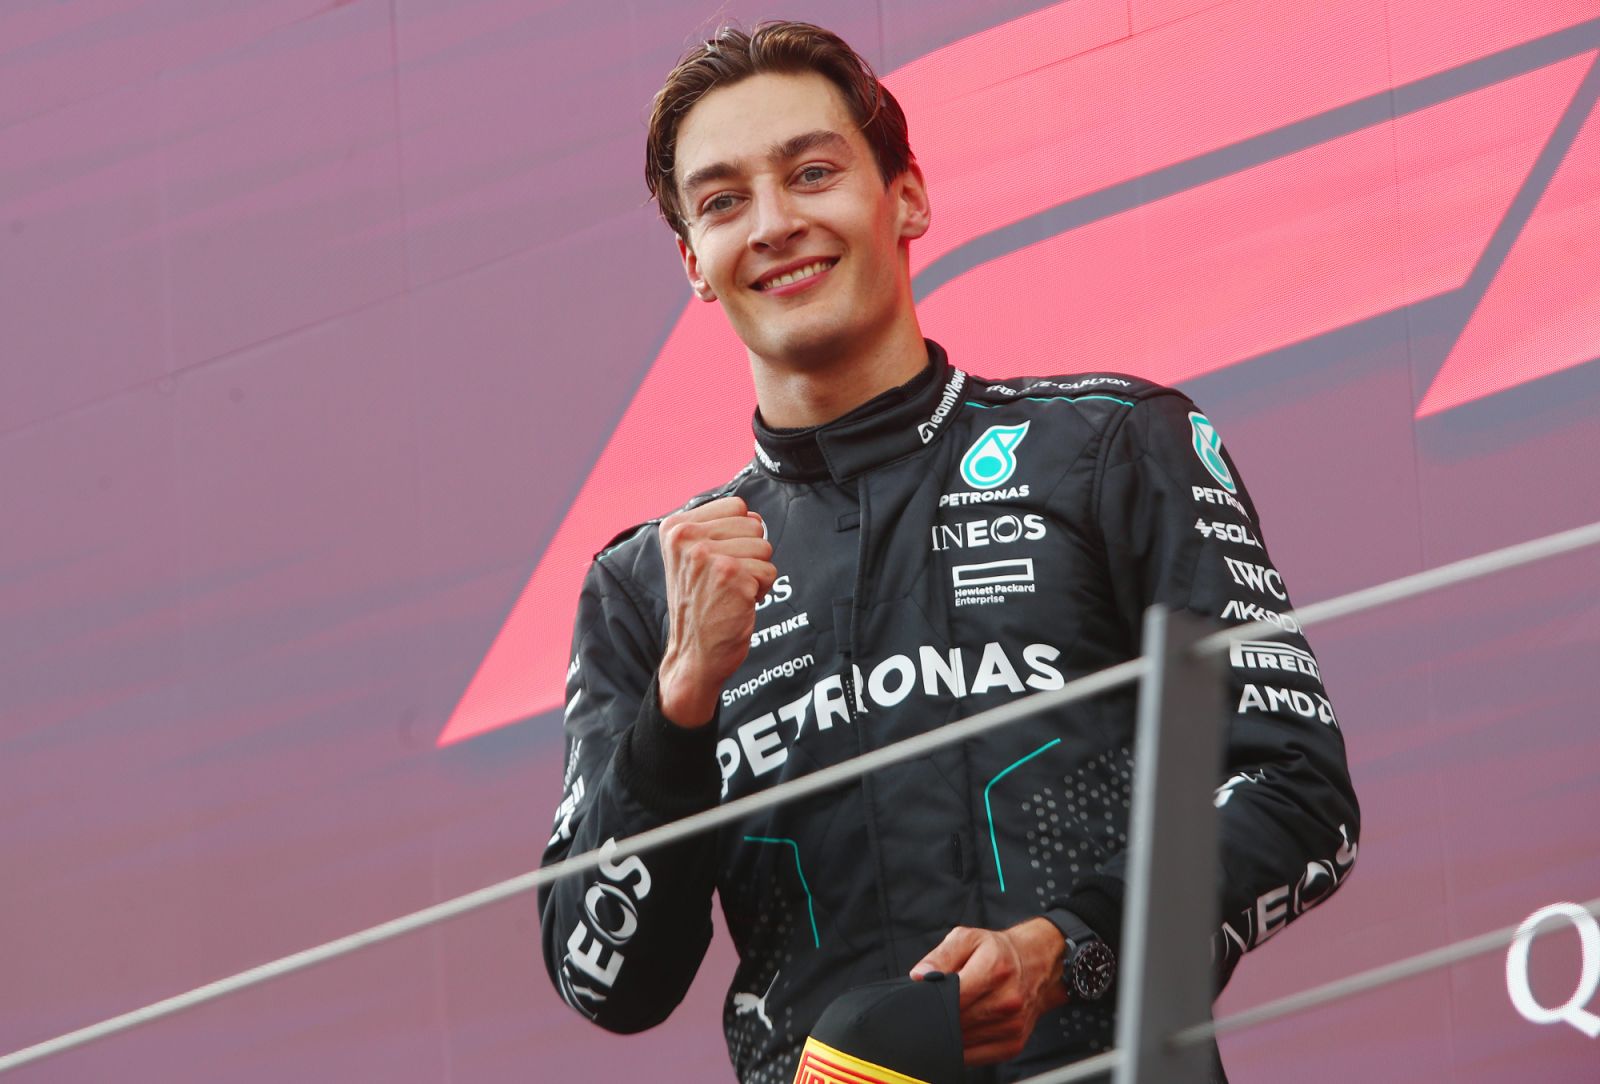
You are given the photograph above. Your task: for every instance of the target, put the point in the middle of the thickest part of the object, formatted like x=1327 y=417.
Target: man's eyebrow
x=808 y=141
x=778 y=152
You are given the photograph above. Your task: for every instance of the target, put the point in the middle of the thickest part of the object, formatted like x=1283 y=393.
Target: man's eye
x=717 y=205
x=814 y=174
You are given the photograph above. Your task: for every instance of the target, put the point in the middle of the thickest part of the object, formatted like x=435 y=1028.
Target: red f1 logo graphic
x=1107 y=191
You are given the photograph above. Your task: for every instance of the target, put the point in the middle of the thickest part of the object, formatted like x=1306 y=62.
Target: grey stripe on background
x=1257 y=150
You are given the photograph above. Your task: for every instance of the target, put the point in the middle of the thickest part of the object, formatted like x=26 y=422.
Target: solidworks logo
x=1171 y=200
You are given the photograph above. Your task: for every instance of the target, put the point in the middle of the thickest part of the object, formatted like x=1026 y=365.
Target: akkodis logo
x=992 y=458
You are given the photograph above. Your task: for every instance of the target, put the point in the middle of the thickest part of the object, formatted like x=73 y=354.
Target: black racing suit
x=954 y=544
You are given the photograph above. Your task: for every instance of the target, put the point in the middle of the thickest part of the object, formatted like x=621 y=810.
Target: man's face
x=790 y=224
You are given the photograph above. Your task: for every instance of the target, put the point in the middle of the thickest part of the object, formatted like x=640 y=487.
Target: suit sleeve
x=1180 y=530
x=622 y=942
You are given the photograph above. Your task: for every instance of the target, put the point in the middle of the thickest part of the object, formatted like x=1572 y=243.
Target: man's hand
x=718 y=567
x=1009 y=978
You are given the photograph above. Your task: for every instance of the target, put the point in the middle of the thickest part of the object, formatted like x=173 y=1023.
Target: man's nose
x=777 y=219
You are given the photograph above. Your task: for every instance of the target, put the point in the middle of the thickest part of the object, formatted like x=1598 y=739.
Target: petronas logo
x=992 y=457
x=1208 y=446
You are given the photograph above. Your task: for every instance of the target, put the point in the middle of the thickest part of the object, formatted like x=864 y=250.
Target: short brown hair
x=734 y=55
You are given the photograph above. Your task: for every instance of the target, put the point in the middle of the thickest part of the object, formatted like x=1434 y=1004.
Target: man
x=910 y=545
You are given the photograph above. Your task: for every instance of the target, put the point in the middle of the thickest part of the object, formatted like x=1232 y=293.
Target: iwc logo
x=1208 y=446
x=992 y=458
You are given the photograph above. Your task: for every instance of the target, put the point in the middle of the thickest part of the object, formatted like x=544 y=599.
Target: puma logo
x=743 y=1003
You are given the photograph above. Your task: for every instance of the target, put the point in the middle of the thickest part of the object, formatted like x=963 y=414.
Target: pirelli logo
x=1268 y=655
x=822 y=1064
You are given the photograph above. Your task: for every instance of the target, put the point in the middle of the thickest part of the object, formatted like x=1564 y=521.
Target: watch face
x=1093 y=968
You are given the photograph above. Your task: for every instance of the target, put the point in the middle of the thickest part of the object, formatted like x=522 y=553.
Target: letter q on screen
x=1573 y=1011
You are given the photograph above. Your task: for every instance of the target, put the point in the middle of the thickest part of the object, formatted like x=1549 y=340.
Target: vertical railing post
x=1170 y=910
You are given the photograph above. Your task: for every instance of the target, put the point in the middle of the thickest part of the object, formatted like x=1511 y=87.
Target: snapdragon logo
x=992 y=457
x=785 y=669
x=1572 y=1011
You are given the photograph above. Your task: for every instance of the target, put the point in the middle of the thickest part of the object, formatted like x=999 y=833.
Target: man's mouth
x=798 y=274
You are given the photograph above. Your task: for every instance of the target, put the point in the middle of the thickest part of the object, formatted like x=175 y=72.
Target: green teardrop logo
x=1208 y=446
x=992 y=457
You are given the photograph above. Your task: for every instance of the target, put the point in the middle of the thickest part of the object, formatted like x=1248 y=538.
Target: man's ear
x=911 y=199
x=691 y=269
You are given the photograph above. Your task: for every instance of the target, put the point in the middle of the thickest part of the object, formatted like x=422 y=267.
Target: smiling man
x=910 y=545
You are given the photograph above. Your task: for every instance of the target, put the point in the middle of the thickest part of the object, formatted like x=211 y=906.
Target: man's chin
x=811 y=345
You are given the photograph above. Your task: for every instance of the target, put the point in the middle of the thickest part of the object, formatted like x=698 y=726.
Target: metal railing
x=1172 y=840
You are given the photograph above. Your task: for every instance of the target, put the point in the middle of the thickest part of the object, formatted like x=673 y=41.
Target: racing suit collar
x=892 y=425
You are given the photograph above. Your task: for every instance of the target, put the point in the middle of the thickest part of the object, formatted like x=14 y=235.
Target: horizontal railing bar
x=1361 y=982
x=961 y=730
x=1419 y=583
x=919 y=745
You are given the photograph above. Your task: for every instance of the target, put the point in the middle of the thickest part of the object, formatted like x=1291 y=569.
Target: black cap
x=898 y=1031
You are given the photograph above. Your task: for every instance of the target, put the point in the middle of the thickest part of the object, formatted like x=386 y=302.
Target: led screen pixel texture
x=339 y=336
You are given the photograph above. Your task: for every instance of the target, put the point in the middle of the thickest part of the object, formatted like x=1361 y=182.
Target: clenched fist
x=718 y=567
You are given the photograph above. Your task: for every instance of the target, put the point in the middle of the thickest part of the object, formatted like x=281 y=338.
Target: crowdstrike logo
x=947 y=403
x=781 y=628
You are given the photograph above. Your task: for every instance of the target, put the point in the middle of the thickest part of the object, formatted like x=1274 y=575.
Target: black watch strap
x=1073 y=928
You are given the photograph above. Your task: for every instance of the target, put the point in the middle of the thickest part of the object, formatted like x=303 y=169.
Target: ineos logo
x=1571 y=1011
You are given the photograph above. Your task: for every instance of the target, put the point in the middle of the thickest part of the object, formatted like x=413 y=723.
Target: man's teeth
x=795 y=276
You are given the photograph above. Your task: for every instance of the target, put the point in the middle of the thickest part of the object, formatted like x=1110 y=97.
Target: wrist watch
x=1088 y=965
